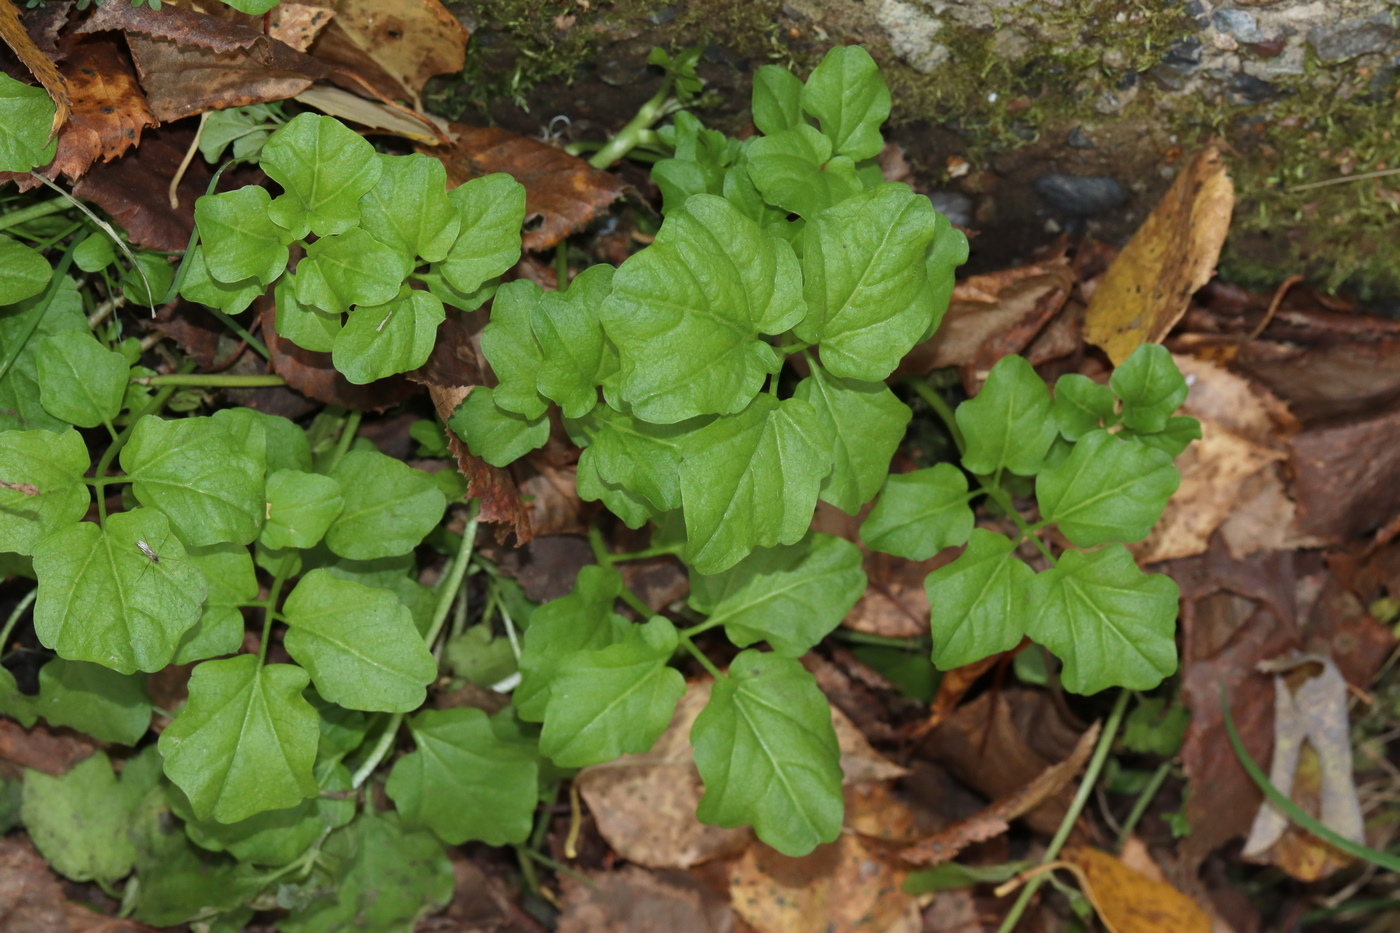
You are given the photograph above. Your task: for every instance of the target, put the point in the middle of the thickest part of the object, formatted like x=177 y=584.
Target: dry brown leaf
x=1264 y=519
x=394 y=47
x=109 y=110
x=952 y=687
x=1146 y=289
x=378 y=117
x=14 y=34
x=1130 y=902
x=298 y=24
x=31 y=899
x=636 y=901
x=42 y=750
x=994 y=820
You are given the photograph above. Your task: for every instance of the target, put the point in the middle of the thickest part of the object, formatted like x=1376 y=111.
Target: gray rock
x=661 y=17
x=1245 y=89
x=1078 y=139
x=1346 y=40
x=1239 y=24
x=954 y=205
x=1080 y=195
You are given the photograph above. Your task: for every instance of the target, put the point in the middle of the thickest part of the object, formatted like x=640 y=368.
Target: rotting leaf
x=1128 y=901
x=394 y=48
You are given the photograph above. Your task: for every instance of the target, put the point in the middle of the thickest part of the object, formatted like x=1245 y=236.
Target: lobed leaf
x=26 y=116
x=490 y=210
x=627 y=459
x=389 y=506
x=795 y=170
x=919 y=514
x=408 y=208
x=866 y=422
x=577 y=356
x=351 y=268
x=44 y=489
x=24 y=272
x=381 y=340
x=1082 y=405
x=978 y=601
x=80 y=380
x=847 y=95
x=325 y=168
x=239 y=239
x=1010 y=424
x=300 y=507
x=307 y=326
x=1151 y=387
x=91 y=698
x=228 y=571
x=80 y=820
x=233 y=298
x=777 y=100
x=513 y=350
x=1107 y=489
x=495 y=435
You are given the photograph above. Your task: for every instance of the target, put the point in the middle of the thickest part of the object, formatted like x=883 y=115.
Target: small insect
x=150 y=554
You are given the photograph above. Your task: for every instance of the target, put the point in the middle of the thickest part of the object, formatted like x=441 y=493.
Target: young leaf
x=239 y=240
x=358 y=643
x=866 y=423
x=1112 y=624
x=582 y=621
x=918 y=514
x=777 y=100
x=389 y=506
x=614 y=700
x=495 y=435
x=394 y=337
x=80 y=380
x=351 y=268
x=686 y=313
x=408 y=209
x=179 y=882
x=245 y=741
x=751 y=480
x=490 y=210
x=767 y=753
x=1009 y=425
x=103 y=599
x=515 y=354
x=80 y=820
x=866 y=281
x=24 y=272
x=625 y=454
x=1151 y=387
x=108 y=706
x=1178 y=434
x=790 y=596
x=699 y=164
x=44 y=489
x=1082 y=405
x=233 y=298
x=978 y=601
x=324 y=167
x=577 y=357
x=847 y=95
x=1154 y=728
x=796 y=171
x=25 y=137
x=1106 y=490
x=300 y=507
x=463 y=782
x=196 y=473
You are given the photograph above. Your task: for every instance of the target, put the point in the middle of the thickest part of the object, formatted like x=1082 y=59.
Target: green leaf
x=767 y=753
x=80 y=820
x=698 y=167
x=866 y=423
x=300 y=507
x=577 y=357
x=1178 y=434
x=178 y=882
x=233 y=298
x=24 y=272
x=796 y=171
x=686 y=313
x=245 y=741
x=102 y=599
x=790 y=596
x=228 y=570
x=44 y=489
x=615 y=700
x=18 y=706
x=392 y=878
x=19 y=386
x=628 y=457
x=352 y=268
x=1112 y=624
x=1082 y=405
x=777 y=100
x=847 y=95
x=324 y=168
x=26 y=116
x=108 y=706
x=867 y=283
x=391 y=338
x=358 y=643
x=490 y=210
x=408 y=207
x=978 y=601
x=94 y=253
x=582 y=621
x=1151 y=387
x=240 y=241
x=222 y=128
x=148 y=282
x=464 y=783
x=918 y=514
x=495 y=435
x=194 y=471
x=480 y=657
x=80 y=380
x=514 y=353
x=751 y=480
x=389 y=506
x=305 y=325
x=1107 y=490
x=1154 y=728
x=272 y=439
x=1009 y=425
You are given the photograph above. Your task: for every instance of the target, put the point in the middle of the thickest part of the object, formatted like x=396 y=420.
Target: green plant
x=787 y=248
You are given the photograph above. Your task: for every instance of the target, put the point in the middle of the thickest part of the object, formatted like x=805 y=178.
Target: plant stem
x=1081 y=797
x=451 y=582
x=213 y=380
x=100 y=478
x=284 y=570
x=940 y=408
x=15 y=615
x=601 y=555
x=999 y=496
x=34 y=212
x=631 y=135
x=242 y=333
x=658 y=551
x=1149 y=792
x=381 y=748
x=347 y=437
x=699 y=655
x=879 y=641
x=554 y=866
x=561 y=267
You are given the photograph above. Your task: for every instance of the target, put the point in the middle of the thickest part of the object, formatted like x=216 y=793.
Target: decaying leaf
x=1128 y=901
x=15 y=36
x=636 y=901
x=31 y=899
x=1146 y=289
x=108 y=109
x=396 y=47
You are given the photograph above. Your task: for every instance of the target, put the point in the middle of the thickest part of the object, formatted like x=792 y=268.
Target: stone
x=911 y=32
x=1350 y=38
x=1080 y=195
x=1245 y=89
x=1078 y=139
x=1239 y=24
x=954 y=205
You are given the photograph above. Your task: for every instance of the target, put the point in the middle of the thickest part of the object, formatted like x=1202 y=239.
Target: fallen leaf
x=31 y=899
x=1264 y=518
x=298 y=24
x=377 y=116
x=38 y=748
x=394 y=47
x=42 y=67
x=1344 y=476
x=109 y=110
x=952 y=687
x=563 y=194
x=636 y=901
x=1146 y=289
x=1130 y=902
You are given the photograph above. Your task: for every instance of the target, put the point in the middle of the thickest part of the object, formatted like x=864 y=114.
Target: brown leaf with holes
x=42 y=67
x=995 y=819
x=563 y=194
x=1146 y=289
x=298 y=24
x=395 y=48
x=109 y=111
x=1128 y=901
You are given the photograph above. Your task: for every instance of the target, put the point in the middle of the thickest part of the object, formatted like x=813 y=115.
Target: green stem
x=100 y=478
x=558 y=867
x=242 y=333
x=647 y=553
x=879 y=641
x=15 y=615
x=631 y=135
x=601 y=555
x=1144 y=799
x=451 y=582
x=561 y=267
x=284 y=570
x=213 y=381
x=1081 y=797
x=999 y=496
x=699 y=655
x=381 y=749
x=34 y=212
x=347 y=437
x=940 y=408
